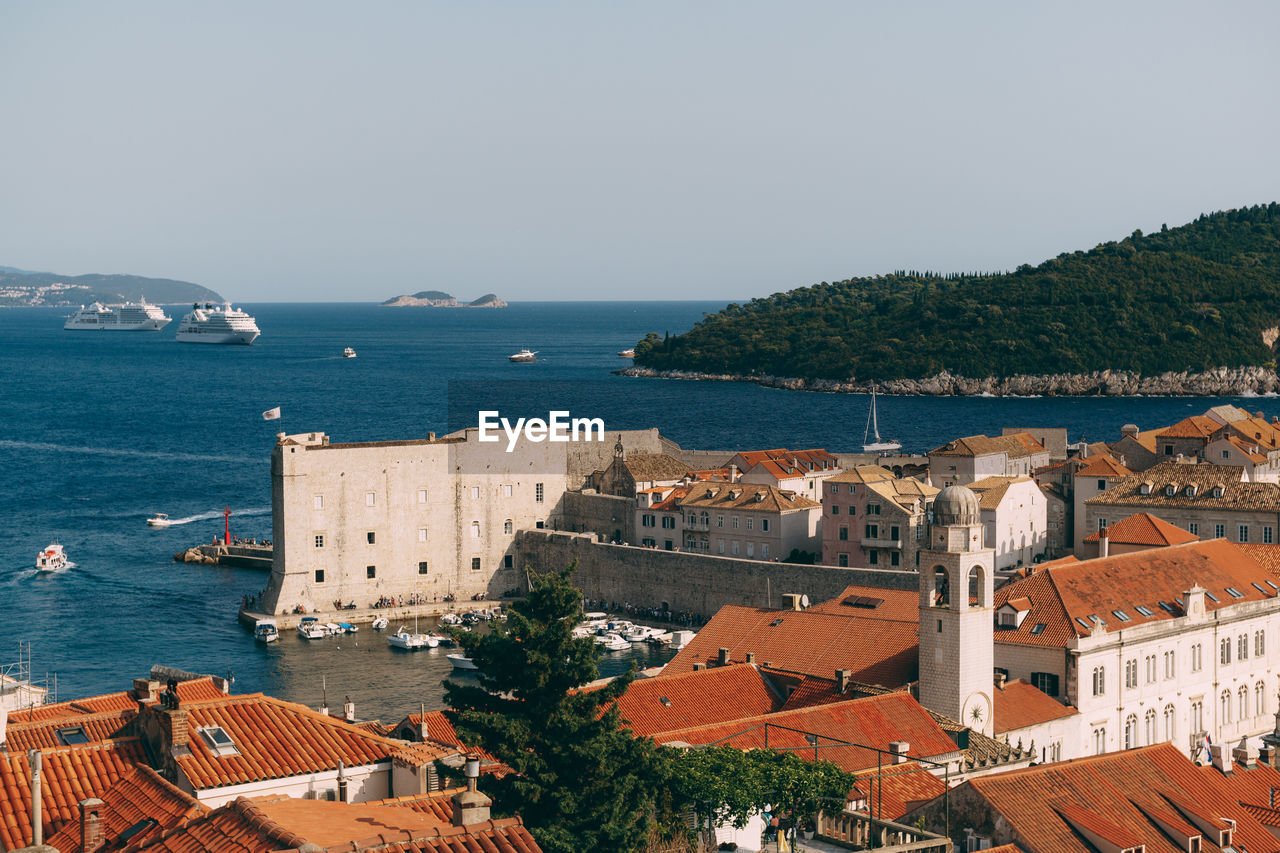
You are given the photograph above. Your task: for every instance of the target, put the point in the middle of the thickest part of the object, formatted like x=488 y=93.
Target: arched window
x=1243 y=695
x=506 y=526
x=941 y=588
x=475 y=530
x=1099 y=741
x=1169 y=726
x=978 y=586
x=1152 y=736
x=1226 y=706
x=1260 y=699
x=1131 y=731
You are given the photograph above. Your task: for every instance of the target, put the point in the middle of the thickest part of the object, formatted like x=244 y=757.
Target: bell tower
x=957 y=667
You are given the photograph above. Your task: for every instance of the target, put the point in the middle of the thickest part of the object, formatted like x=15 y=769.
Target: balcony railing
x=859 y=831
x=895 y=544
x=703 y=524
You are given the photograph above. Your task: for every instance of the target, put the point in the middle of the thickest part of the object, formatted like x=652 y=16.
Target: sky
x=317 y=151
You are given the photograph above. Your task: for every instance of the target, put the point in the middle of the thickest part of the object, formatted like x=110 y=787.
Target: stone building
x=974 y=457
x=429 y=517
x=1015 y=517
x=799 y=471
x=728 y=519
x=870 y=519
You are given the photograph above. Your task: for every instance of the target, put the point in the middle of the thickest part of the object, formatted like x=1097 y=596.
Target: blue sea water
x=99 y=430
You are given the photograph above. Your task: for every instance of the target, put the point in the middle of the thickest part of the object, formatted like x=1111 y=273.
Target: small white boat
x=524 y=356
x=380 y=623
x=347 y=627
x=451 y=619
x=627 y=353
x=159 y=520
x=462 y=662
x=403 y=638
x=640 y=633
x=440 y=639
x=663 y=638
x=266 y=631
x=348 y=353
x=53 y=558
x=613 y=643
x=311 y=629
x=880 y=445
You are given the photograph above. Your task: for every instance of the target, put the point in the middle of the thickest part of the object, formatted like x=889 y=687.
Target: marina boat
x=627 y=353
x=159 y=520
x=217 y=324
x=266 y=631
x=523 y=357
x=441 y=639
x=462 y=662
x=403 y=638
x=311 y=629
x=347 y=628
x=613 y=643
x=52 y=558
x=640 y=633
x=451 y=619
x=348 y=353
x=125 y=317
x=879 y=445
x=662 y=638
x=380 y=623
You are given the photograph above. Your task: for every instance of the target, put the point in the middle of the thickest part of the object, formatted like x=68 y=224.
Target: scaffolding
x=18 y=689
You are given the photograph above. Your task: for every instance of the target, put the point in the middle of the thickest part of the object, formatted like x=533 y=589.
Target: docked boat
x=380 y=623
x=462 y=662
x=879 y=445
x=613 y=643
x=403 y=638
x=53 y=558
x=662 y=638
x=266 y=631
x=217 y=324
x=125 y=317
x=311 y=629
x=348 y=353
x=523 y=357
x=451 y=619
x=441 y=639
x=627 y=353
x=345 y=628
x=159 y=520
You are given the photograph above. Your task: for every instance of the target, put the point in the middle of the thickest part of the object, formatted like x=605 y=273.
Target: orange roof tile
x=683 y=700
x=1039 y=804
x=893 y=791
x=1102 y=465
x=1143 y=528
x=785 y=464
x=1019 y=704
x=125 y=700
x=135 y=797
x=874 y=721
x=1015 y=446
x=1268 y=556
x=1066 y=597
x=812 y=691
x=44 y=734
x=743 y=496
x=68 y=775
x=440 y=731
x=1196 y=426
x=873 y=602
x=876 y=650
x=862 y=474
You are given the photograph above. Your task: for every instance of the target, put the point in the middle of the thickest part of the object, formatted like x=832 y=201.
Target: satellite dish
x=804 y=601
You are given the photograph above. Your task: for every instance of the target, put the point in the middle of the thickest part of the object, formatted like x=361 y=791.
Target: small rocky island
x=440 y=299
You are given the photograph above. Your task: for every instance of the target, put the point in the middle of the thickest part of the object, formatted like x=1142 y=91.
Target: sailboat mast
x=875 y=418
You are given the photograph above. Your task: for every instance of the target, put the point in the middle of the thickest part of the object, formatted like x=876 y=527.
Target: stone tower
x=956 y=627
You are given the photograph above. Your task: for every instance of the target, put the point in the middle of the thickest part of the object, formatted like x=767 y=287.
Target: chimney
x=724 y=657
x=1084 y=447
x=422 y=722
x=1129 y=430
x=146 y=690
x=470 y=806
x=1001 y=677
x=1244 y=756
x=349 y=710
x=1104 y=543
x=431 y=436
x=733 y=473
x=1220 y=758
x=1264 y=753
x=842 y=680
x=699 y=666
x=342 y=786
x=751 y=657
x=899 y=748
x=92 y=825
x=37 y=820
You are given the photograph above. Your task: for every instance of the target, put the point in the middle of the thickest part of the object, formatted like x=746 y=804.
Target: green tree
x=581 y=781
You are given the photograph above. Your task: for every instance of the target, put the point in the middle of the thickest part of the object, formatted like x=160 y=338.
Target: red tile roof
x=125 y=700
x=684 y=700
x=1102 y=465
x=812 y=691
x=875 y=721
x=876 y=650
x=137 y=796
x=1019 y=705
x=439 y=731
x=1066 y=596
x=894 y=790
x=43 y=734
x=1035 y=803
x=68 y=775
x=873 y=602
x=1143 y=528
x=1196 y=426
x=1015 y=446
x=785 y=464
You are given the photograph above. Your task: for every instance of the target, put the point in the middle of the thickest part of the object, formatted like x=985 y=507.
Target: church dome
x=956 y=505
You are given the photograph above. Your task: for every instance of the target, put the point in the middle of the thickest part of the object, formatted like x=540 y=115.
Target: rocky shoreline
x=1218 y=382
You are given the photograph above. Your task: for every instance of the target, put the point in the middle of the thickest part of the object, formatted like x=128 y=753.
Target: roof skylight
x=1121 y=615
x=1144 y=610
x=1234 y=593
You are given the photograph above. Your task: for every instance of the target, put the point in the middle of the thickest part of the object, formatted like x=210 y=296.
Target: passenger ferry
x=126 y=317
x=217 y=324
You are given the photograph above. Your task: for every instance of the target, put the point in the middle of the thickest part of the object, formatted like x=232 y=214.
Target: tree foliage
x=1189 y=298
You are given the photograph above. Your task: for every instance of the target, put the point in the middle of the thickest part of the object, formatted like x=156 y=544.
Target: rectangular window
x=873 y=558
x=1102 y=485
x=844 y=534
x=764 y=525
x=668 y=523
x=507 y=527
x=1099 y=681
x=1219 y=531
x=648 y=542
x=1045 y=682
x=1259 y=643
x=873 y=531
x=317 y=502
x=422 y=534
x=507 y=490
x=1193 y=528
x=319 y=575
x=1131 y=673
x=370 y=572
x=735 y=547
x=370 y=536
x=842 y=561
x=719 y=521
x=475 y=564
x=835 y=509
x=475 y=530
x=1102 y=524
x=719 y=546
x=1268 y=535
x=751 y=523
x=1151 y=669
x=319 y=540
x=422 y=496
x=1244 y=533
x=647 y=520
x=537 y=492
x=508 y=562
x=1226 y=454
x=894 y=532
x=735 y=523
x=1170 y=664
x=369 y=498
x=422 y=567
x=894 y=558
x=1242 y=647
x=475 y=492
x=1168 y=450
x=751 y=549
x=835 y=490
x=873 y=509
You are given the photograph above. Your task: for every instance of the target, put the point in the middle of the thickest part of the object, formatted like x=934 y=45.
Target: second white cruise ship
x=128 y=317
x=217 y=324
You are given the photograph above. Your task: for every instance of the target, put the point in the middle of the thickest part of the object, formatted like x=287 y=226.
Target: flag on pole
x=271 y=414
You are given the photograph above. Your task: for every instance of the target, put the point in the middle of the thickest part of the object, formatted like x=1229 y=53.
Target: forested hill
x=1196 y=297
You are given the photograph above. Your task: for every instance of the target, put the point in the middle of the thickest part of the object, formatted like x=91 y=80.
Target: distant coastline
x=440 y=299
x=1218 y=382
x=23 y=289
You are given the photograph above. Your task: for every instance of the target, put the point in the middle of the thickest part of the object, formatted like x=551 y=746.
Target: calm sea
x=99 y=430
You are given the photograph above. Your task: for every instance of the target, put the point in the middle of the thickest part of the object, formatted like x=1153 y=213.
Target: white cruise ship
x=129 y=317
x=217 y=324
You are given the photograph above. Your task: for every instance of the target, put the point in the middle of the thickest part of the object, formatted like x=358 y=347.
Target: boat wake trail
x=123 y=451
x=217 y=513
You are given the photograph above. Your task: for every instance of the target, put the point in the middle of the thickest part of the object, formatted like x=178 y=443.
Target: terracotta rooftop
x=654 y=467
x=992 y=490
x=874 y=602
x=906 y=492
x=1143 y=528
x=785 y=464
x=1019 y=705
x=875 y=721
x=1195 y=426
x=877 y=650
x=1236 y=494
x=1015 y=445
x=687 y=699
x=758 y=497
x=1268 y=556
x=68 y=775
x=125 y=700
x=1102 y=465
x=894 y=790
x=141 y=801
x=1106 y=793
x=862 y=474
x=440 y=731
x=47 y=734
x=1078 y=598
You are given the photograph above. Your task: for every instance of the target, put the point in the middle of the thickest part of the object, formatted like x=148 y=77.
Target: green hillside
x=19 y=287
x=1189 y=298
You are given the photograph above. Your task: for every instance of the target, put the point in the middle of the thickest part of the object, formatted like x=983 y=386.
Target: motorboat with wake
x=348 y=353
x=159 y=520
x=52 y=558
x=525 y=356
